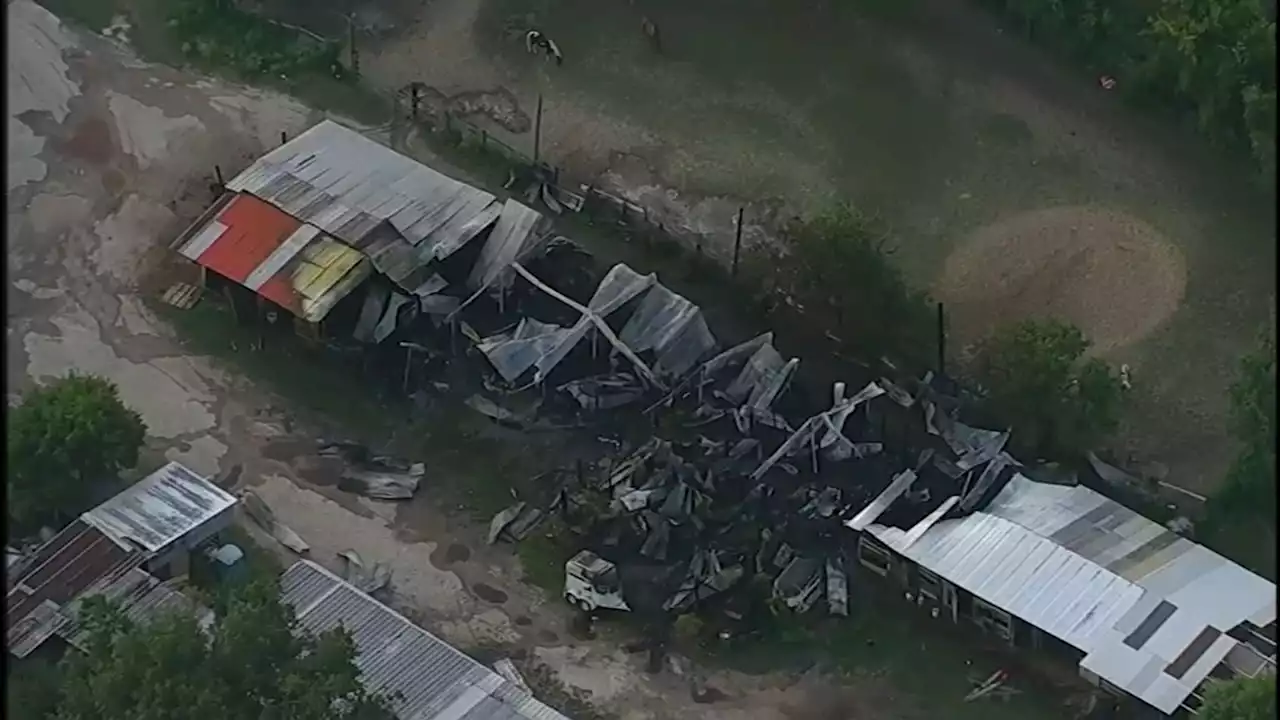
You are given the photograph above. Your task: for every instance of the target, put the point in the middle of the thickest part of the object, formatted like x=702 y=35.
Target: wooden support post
x=355 y=52
x=737 y=243
x=408 y=360
x=942 y=340
x=537 y=131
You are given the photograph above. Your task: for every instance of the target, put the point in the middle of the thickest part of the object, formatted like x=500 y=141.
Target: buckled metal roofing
x=159 y=509
x=61 y=570
x=398 y=212
x=427 y=678
x=140 y=596
x=1089 y=571
x=289 y=262
x=664 y=323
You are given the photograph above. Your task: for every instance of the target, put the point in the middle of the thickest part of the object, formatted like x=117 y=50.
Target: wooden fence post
x=737 y=244
x=537 y=130
x=942 y=340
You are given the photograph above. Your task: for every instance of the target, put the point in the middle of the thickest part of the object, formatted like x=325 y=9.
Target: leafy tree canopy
x=65 y=439
x=1251 y=483
x=1058 y=402
x=249 y=664
x=837 y=270
x=1240 y=699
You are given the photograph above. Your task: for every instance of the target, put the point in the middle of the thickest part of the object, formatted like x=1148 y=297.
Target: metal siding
x=142 y=597
x=346 y=184
x=1087 y=570
x=159 y=509
x=279 y=257
x=395 y=656
x=202 y=240
x=303 y=271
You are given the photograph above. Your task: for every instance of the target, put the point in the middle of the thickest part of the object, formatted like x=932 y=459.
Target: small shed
x=165 y=515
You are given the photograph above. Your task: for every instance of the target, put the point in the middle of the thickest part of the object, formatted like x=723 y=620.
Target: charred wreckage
x=722 y=473
x=710 y=479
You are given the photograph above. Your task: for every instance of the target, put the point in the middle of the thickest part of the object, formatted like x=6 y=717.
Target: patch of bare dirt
x=1110 y=274
x=498 y=106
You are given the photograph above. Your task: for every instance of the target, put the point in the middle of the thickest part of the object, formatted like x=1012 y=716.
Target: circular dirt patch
x=1110 y=274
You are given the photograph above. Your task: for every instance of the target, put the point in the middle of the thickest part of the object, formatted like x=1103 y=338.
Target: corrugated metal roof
x=159 y=509
x=62 y=569
x=1088 y=571
x=397 y=211
x=141 y=597
x=517 y=233
x=288 y=262
x=426 y=677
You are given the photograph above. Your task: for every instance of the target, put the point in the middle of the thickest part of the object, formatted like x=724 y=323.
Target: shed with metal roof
x=397 y=211
x=172 y=506
x=281 y=258
x=1152 y=612
x=426 y=678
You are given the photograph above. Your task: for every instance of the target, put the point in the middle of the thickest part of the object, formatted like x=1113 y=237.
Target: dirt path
x=952 y=129
x=109 y=157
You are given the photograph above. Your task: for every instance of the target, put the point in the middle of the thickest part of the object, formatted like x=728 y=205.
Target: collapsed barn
x=730 y=487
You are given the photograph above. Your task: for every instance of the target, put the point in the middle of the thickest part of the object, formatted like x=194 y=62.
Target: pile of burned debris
x=724 y=475
x=730 y=500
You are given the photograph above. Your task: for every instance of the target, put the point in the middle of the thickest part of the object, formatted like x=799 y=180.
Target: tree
x=1251 y=481
x=64 y=439
x=252 y=663
x=1039 y=383
x=837 y=272
x=1239 y=699
x=32 y=689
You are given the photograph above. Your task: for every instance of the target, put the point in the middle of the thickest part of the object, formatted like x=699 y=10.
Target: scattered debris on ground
x=370 y=579
x=183 y=296
x=261 y=514
x=995 y=686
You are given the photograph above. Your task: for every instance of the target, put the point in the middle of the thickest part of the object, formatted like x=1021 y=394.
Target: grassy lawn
x=150 y=35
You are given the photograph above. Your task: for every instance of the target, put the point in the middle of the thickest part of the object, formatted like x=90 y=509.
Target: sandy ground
x=108 y=158
x=1112 y=276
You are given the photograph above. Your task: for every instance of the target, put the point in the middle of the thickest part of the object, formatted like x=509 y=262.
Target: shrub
x=1239 y=699
x=1213 y=60
x=65 y=440
x=1251 y=482
x=837 y=273
x=1058 y=403
x=220 y=33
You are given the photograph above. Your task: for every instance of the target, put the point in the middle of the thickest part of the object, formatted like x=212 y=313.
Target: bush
x=1251 y=482
x=251 y=662
x=1240 y=699
x=1058 y=403
x=1211 y=60
x=837 y=273
x=219 y=33
x=66 y=440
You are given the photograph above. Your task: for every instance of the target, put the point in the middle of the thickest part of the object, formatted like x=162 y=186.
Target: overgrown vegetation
x=837 y=274
x=67 y=442
x=220 y=33
x=251 y=663
x=1039 y=383
x=1250 y=488
x=1211 y=61
x=1240 y=699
